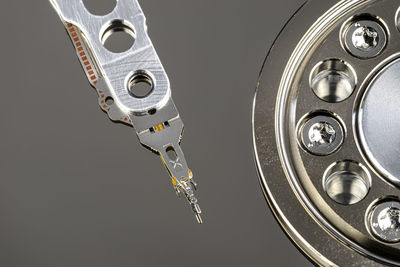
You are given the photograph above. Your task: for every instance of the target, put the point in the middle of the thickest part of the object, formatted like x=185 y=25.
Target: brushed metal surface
x=117 y=67
x=378 y=123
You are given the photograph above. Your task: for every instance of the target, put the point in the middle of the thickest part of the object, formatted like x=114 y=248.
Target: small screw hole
x=152 y=111
x=118 y=37
x=140 y=85
x=100 y=8
x=333 y=80
x=110 y=101
x=347 y=182
x=171 y=153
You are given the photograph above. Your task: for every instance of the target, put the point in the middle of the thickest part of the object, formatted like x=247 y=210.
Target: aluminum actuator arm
x=154 y=116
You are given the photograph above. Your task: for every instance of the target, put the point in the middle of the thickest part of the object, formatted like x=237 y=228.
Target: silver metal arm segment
x=154 y=117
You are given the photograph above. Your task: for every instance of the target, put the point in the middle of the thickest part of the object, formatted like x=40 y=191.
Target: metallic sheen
x=385 y=221
x=365 y=38
x=154 y=116
x=321 y=134
x=377 y=123
x=321 y=201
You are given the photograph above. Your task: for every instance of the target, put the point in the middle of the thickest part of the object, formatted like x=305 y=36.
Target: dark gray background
x=78 y=190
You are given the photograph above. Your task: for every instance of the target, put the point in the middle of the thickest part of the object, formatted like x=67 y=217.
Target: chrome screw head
x=321 y=134
x=365 y=38
x=385 y=221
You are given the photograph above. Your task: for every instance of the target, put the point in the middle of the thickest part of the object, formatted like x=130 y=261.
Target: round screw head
x=385 y=221
x=321 y=134
x=365 y=38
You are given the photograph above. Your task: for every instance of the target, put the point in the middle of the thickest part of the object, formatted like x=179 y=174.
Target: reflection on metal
x=117 y=73
x=365 y=37
x=333 y=80
x=320 y=133
x=326 y=133
x=384 y=221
